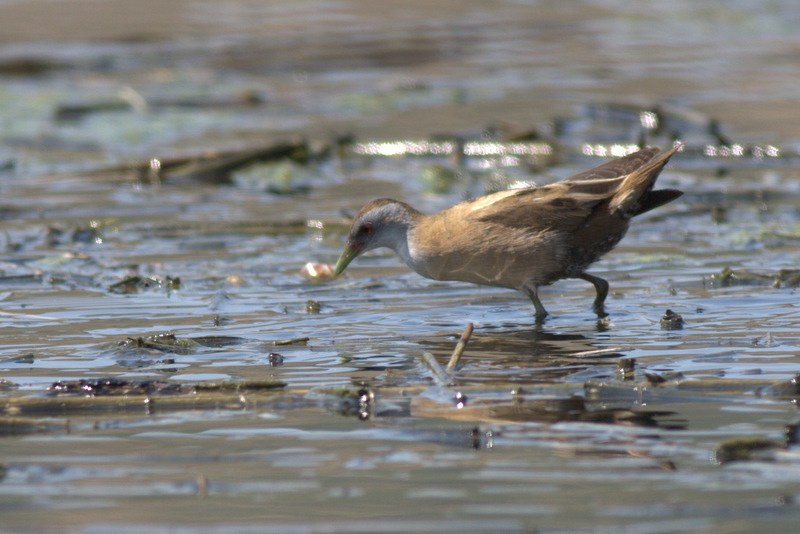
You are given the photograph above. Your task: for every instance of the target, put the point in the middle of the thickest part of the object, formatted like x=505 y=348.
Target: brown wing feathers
x=635 y=194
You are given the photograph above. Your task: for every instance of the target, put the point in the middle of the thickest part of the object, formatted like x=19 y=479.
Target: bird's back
x=542 y=233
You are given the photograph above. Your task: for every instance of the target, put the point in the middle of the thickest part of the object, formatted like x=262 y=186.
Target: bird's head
x=381 y=223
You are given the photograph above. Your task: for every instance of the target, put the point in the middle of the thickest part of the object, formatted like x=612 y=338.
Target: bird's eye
x=366 y=229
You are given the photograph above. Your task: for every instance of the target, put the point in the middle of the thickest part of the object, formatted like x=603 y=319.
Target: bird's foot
x=599 y=309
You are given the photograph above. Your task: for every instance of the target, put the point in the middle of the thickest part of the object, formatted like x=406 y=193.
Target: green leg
x=532 y=292
x=601 y=286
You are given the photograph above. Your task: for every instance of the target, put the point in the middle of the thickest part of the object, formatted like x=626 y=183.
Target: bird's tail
x=635 y=194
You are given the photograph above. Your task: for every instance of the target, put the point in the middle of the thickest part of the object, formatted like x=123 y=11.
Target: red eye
x=366 y=229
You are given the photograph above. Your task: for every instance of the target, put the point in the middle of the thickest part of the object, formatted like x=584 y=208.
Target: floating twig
x=600 y=352
x=459 y=350
x=439 y=373
x=29 y=316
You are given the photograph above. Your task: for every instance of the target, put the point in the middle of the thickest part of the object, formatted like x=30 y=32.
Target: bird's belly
x=510 y=269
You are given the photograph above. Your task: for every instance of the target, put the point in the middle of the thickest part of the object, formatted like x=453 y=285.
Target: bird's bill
x=349 y=254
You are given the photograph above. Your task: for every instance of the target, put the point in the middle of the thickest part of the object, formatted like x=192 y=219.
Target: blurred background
x=204 y=74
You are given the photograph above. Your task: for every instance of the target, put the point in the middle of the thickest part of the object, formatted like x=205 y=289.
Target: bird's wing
x=617 y=167
x=559 y=205
x=566 y=204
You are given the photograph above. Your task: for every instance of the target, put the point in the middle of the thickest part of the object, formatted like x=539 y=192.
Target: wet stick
x=601 y=352
x=29 y=316
x=459 y=350
x=439 y=373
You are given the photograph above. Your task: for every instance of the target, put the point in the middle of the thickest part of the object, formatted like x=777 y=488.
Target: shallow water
x=541 y=431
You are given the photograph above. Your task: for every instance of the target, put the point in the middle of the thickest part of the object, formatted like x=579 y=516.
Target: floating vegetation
x=350 y=401
x=283 y=177
x=626 y=368
x=243 y=386
x=743 y=277
x=787 y=389
x=746 y=448
x=24 y=359
x=7 y=385
x=130 y=100
x=218 y=342
x=671 y=321
x=97 y=387
x=218 y=169
x=291 y=341
x=92 y=233
x=137 y=284
x=164 y=342
x=88 y=396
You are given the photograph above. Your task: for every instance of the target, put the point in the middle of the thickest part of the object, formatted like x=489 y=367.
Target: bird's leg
x=601 y=286
x=532 y=292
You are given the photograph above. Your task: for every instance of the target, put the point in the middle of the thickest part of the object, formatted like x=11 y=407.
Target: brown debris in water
x=741 y=449
x=671 y=321
x=786 y=389
x=626 y=368
x=789 y=278
x=73 y=111
x=110 y=387
x=163 y=342
x=137 y=284
x=238 y=386
x=291 y=341
x=96 y=387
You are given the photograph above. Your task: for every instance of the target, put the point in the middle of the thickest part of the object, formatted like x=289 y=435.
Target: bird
x=520 y=239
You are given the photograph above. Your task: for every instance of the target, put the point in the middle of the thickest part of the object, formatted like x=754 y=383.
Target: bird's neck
x=408 y=247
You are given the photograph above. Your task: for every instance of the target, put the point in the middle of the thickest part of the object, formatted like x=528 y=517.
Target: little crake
x=522 y=238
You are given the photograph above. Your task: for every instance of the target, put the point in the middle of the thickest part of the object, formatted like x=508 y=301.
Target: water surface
x=541 y=430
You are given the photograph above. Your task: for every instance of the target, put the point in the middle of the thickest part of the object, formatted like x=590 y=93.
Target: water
x=542 y=431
